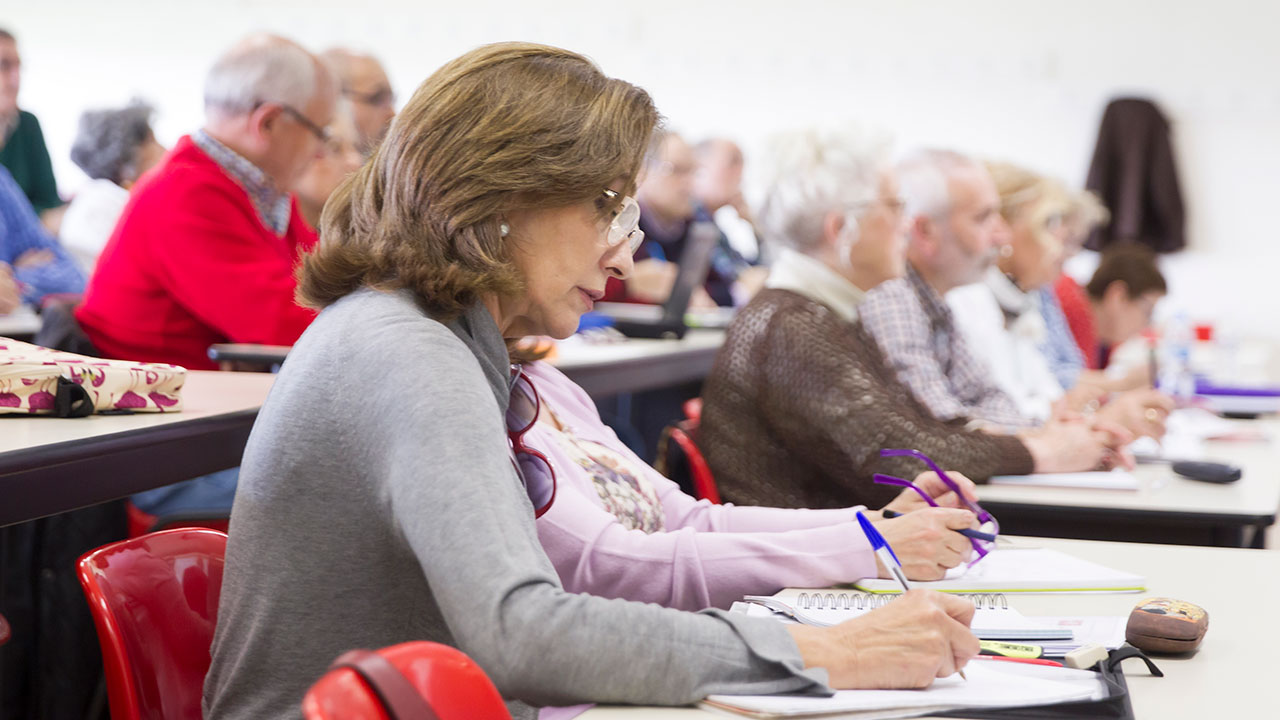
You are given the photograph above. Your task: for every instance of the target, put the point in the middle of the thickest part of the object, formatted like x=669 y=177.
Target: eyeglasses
x=988 y=522
x=532 y=466
x=625 y=224
x=322 y=134
x=382 y=97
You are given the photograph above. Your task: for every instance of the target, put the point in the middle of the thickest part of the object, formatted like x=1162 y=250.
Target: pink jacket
x=708 y=556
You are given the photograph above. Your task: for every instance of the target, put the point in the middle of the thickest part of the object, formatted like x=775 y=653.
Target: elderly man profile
x=954 y=234
x=365 y=84
x=204 y=251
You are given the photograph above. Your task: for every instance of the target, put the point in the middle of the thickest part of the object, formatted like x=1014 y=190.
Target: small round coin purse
x=1165 y=625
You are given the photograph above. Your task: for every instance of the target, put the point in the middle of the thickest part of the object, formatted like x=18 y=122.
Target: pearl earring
x=504 y=229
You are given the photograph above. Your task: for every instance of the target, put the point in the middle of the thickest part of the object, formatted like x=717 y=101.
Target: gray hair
x=923 y=176
x=812 y=173
x=107 y=141
x=260 y=69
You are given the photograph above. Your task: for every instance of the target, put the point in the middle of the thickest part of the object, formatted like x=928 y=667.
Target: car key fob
x=1207 y=471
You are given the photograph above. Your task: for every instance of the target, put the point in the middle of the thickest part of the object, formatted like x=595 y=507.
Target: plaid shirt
x=915 y=330
x=271 y=203
x=20 y=232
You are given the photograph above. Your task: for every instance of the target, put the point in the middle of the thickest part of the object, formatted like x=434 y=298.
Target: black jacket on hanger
x=1134 y=173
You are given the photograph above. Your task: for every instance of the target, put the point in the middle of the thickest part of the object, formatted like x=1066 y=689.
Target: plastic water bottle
x=1176 y=376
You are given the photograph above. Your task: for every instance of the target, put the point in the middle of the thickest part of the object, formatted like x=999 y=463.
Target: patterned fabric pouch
x=35 y=380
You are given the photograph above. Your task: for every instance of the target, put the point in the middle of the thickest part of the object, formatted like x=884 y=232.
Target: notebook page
x=989 y=684
x=1012 y=569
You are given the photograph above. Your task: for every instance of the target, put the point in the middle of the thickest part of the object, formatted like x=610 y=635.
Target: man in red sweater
x=205 y=250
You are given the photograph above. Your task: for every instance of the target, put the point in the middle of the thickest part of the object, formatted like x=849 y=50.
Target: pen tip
x=962 y=677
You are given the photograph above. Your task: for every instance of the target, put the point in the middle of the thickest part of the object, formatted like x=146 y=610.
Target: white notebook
x=993 y=619
x=989 y=685
x=1013 y=569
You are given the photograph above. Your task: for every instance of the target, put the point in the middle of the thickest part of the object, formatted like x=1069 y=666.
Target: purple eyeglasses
x=532 y=466
x=989 y=524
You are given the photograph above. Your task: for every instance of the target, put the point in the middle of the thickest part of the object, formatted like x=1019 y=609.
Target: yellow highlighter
x=1010 y=650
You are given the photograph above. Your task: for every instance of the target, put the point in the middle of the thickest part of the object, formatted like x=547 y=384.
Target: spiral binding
x=869 y=601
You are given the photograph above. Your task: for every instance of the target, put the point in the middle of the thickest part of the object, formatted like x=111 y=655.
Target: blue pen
x=883 y=551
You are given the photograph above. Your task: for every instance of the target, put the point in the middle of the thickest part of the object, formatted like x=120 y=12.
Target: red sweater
x=190 y=264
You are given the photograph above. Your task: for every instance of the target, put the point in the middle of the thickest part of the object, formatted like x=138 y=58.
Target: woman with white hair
x=114 y=148
x=800 y=400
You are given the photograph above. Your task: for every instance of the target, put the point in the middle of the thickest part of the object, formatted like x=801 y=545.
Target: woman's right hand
x=906 y=644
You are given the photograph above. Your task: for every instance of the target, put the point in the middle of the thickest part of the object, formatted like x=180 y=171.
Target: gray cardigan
x=378 y=504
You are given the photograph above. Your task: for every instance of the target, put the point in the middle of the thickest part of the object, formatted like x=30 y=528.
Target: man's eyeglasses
x=382 y=97
x=987 y=520
x=625 y=224
x=532 y=466
x=322 y=134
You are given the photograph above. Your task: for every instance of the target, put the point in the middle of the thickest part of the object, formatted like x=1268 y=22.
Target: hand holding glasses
x=990 y=527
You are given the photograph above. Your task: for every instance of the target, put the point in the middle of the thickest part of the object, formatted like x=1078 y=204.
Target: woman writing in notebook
x=386 y=493
x=618 y=528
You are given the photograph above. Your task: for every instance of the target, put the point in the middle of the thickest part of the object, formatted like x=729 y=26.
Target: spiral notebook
x=1014 y=569
x=993 y=619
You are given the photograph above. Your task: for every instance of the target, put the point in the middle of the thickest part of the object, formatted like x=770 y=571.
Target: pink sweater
x=708 y=556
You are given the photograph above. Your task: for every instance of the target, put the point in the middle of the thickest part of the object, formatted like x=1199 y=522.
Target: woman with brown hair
x=382 y=499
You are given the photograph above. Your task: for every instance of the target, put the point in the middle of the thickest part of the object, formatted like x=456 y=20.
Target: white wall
x=1012 y=79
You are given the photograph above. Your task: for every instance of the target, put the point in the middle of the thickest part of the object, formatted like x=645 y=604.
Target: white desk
x=635 y=365
x=1231 y=676
x=1167 y=507
x=50 y=465
x=21 y=324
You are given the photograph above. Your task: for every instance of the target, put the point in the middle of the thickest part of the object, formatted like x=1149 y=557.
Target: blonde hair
x=504 y=127
x=1022 y=190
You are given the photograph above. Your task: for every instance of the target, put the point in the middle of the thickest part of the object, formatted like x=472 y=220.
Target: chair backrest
x=154 y=600
x=410 y=681
x=678 y=454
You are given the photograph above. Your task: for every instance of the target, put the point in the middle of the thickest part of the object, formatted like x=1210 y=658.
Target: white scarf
x=812 y=278
x=1027 y=321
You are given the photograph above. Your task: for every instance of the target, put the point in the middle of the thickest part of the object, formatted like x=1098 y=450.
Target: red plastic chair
x=678 y=451
x=154 y=600
x=408 y=681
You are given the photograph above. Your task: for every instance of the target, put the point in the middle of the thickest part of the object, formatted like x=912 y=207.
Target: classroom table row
x=1229 y=676
x=50 y=465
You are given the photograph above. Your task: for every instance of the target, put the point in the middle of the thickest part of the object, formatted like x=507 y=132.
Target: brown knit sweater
x=800 y=403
